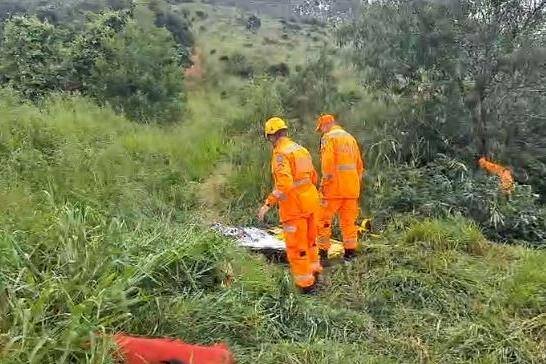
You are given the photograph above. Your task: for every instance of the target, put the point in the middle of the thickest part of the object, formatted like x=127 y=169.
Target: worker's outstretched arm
x=360 y=164
x=282 y=174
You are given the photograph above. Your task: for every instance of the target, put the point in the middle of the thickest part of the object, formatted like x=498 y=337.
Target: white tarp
x=250 y=237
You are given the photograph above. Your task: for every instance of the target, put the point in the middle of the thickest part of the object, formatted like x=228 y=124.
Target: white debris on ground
x=263 y=241
x=250 y=237
x=323 y=10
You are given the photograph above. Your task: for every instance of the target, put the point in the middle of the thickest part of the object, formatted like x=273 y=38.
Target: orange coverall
x=295 y=192
x=505 y=175
x=342 y=170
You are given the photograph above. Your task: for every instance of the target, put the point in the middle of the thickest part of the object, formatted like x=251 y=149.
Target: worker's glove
x=263 y=211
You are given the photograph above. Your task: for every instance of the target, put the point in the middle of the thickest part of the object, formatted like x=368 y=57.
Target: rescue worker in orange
x=296 y=194
x=342 y=171
x=504 y=174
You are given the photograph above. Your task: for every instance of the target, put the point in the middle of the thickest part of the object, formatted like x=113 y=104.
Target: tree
x=467 y=70
x=117 y=57
x=177 y=25
x=90 y=45
x=33 y=57
x=139 y=73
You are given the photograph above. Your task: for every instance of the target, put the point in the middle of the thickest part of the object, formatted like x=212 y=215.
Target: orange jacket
x=295 y=179
x=342 y=165
x=137 y=350
x=505 y=174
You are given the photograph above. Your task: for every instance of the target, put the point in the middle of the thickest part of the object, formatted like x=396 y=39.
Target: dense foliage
x=468 y=76
x=130 y=57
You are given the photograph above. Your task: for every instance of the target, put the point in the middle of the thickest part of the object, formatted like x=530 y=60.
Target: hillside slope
x=104 y=228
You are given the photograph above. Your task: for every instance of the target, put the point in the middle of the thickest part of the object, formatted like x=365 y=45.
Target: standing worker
x=342 y=171
x=295 y=180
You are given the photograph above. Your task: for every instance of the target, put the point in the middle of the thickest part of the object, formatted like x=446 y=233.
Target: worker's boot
x=349 y=255
x=324 y=260
x=311 y=290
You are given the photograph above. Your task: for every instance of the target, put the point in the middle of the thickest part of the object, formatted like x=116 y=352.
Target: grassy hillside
x=104 y=229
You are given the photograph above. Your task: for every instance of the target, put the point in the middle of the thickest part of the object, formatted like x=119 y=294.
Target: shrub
x=278 y=70
x=253 y=23
x=33 y=57
x=446 y=186
x=201 y=14
x=238 y=65
x=179 y=28
x=140 y=75
x=313 y=89
x=108 y=58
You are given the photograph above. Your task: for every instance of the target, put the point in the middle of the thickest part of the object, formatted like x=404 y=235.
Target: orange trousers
x=348 y=213
x=300 y=236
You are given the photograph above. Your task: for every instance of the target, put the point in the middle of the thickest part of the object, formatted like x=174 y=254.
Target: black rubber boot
x=324 y=260
x=349 y=255
x=311 y=290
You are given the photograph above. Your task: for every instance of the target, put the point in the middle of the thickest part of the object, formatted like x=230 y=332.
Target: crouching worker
x=296 y=194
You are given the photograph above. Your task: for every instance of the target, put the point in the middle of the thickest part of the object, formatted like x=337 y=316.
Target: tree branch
x=532 y=17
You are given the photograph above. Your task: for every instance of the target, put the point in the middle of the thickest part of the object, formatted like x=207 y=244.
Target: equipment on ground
x=270 y=242
x=141 y=350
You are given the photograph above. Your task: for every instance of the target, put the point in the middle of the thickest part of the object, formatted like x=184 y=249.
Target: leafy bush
x=446 y=186
x=238 y=65
x=174 y=23
x=33 y=57
x=278 y=70
x=119 y=58
x=140 y=75
x=314 y=90
x=428 y=57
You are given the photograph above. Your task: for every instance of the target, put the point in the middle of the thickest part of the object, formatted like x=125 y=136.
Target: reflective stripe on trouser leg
x=348 y=214
x=312 y=228
x=328 y=210
x=297 y=252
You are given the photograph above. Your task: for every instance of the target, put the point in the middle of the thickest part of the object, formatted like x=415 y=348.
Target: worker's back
x=302 y=196
x=342 y=165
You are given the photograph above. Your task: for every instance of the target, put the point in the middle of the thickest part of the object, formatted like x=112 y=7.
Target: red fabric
x=136 y=350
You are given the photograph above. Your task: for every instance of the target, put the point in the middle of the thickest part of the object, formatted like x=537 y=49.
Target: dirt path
x=195 y=73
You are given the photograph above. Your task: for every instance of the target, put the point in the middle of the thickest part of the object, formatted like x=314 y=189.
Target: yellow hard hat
x=273 y=125
x=325 y=120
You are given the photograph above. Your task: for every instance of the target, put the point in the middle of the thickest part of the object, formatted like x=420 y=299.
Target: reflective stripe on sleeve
x=346 y=167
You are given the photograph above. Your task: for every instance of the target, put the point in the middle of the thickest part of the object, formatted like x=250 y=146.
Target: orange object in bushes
x=136 y=350
x=505 y=174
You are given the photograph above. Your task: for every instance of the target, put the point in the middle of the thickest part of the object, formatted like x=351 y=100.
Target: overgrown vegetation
x=467 y=76
x=130 y=58
x=104 y=220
